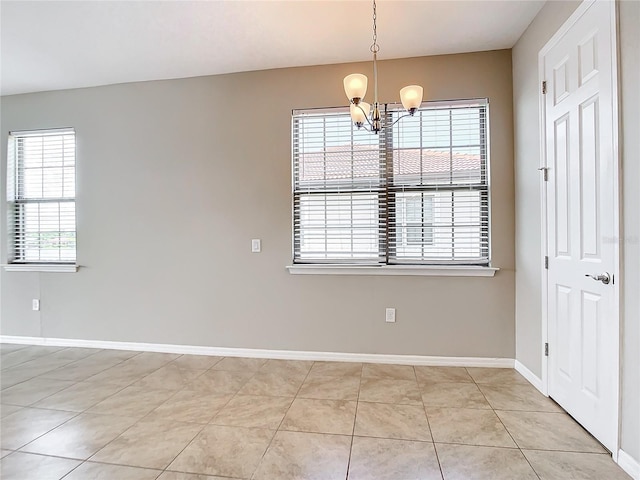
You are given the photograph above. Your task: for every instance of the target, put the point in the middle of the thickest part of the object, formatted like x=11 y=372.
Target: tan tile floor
x=84 y=414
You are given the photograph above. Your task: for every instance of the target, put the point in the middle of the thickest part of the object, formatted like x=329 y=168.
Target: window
x=417 y=193
x=41 y=193
x=415 y=217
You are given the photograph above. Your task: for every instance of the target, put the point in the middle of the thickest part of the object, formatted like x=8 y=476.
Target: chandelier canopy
x=355 y=86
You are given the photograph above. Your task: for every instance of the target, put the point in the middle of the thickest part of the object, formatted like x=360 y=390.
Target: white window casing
x=417 y=194
x=41 y=194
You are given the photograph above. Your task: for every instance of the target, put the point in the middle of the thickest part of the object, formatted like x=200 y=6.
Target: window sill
x=41 y=267
x=398 y=270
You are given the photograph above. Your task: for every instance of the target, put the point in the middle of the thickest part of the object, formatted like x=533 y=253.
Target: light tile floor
x=83 y=414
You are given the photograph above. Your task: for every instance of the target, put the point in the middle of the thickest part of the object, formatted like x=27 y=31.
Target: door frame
x=553 y=41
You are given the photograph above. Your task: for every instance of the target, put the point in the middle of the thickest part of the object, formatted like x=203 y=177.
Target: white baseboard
x=262 y=353
x=532 y=378
x=629 y=464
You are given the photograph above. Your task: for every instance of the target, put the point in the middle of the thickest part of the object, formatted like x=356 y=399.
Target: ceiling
x=53 y=45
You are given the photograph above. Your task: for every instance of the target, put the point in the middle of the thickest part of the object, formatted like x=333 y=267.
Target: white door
x=582 y=221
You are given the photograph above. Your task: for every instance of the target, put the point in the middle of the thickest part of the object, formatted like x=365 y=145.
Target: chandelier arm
x=398 y=119
x=366 y=117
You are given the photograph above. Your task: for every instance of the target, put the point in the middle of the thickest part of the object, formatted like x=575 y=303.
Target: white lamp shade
x=359 y=115
x=411 y=96
x=355 y=86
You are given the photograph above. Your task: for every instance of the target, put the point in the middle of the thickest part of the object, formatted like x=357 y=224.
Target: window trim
x=41 y=267
x=12 y=172
x=392 y=270
x=333 y=267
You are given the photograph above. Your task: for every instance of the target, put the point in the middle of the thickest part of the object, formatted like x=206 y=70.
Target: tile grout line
x=212 y=417
x=37 y=357
x=233 y=396
x=281 y=421
x=75 y=468
x=70 y=386
x=84 y=379
x=54 y=456
x=506 y=429
x=355 y=419
x=48 y=431
x=433 y=440
x=162 y=470
x=39 y=375
x=577 y=452
x=82 y=461
x=561 y=412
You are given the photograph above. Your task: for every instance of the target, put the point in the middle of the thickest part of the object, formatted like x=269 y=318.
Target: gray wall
x=629 y=15
x=527 y=181
x=175 y=178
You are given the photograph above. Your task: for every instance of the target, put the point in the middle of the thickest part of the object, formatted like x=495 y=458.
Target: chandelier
x=355 y=86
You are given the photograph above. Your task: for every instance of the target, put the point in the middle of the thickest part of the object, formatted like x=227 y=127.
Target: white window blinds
x=41 y=195
x=339 y=205
x=415 y=194
x=438 y=185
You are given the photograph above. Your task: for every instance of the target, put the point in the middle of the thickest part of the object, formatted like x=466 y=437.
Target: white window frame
x=17 y=201
x=444 y=269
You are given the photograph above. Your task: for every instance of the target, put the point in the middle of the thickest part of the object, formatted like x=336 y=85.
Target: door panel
x=590 y=351
x=587 y=59
x=581 y=223
x=560 y=81
x=563 y=314
x=561 y=168
x=590 y=179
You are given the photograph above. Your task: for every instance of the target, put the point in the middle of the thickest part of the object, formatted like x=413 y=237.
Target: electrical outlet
x=390 y=315
x=256 y=246
x=35 y=305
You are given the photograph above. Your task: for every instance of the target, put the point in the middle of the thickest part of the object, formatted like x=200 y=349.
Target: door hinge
x=545 y=173
x=546 y=262
x=544 y=87
x=546 y=349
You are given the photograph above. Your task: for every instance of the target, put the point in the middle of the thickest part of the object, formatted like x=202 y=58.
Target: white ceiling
x=52 y=45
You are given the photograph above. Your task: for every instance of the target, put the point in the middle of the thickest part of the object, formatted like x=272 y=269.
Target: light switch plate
x=390 y=315
x=256 y=245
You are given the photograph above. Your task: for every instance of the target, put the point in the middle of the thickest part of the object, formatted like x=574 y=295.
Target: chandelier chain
x=375 y=48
